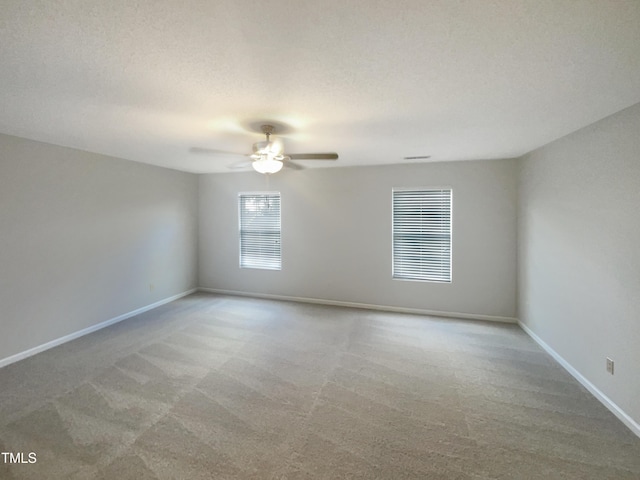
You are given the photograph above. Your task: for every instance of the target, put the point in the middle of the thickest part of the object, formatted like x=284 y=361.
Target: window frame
x=243 y=261
x=421 y=277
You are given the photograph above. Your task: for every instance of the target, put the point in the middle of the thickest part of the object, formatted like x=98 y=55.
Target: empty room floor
x=224 y=387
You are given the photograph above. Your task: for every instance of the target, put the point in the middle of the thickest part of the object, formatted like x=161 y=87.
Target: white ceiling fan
x=268 y=156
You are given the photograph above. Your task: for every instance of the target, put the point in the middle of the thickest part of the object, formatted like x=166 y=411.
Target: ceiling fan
x=268 y=156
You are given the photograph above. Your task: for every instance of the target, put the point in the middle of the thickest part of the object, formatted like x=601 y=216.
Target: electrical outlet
x=609 y=365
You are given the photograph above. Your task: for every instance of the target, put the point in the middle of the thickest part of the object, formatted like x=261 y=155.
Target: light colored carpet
x=214 y=387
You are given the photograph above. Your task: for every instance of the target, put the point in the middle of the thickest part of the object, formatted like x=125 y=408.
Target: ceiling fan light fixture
x=267 y=165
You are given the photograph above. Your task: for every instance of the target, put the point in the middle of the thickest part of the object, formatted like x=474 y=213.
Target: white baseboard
x=386 y=308
x=72 y=336
x=606 y=401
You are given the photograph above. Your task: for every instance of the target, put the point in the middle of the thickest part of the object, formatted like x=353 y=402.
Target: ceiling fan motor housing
x=273 y=147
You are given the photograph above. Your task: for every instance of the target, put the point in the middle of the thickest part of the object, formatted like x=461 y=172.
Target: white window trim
x=258 y=193
x=429 y=188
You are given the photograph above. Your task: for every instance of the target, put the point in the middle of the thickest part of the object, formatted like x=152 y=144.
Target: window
x=422 y=234
x=260 y=230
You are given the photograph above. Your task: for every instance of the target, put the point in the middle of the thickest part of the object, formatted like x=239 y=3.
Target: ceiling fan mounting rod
x=267 y=130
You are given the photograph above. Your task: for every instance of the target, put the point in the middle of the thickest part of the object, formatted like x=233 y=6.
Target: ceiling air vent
x=419 y=157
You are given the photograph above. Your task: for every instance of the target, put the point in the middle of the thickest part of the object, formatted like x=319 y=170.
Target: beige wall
x=82 y=238
x=579 y=252
x=336 y=236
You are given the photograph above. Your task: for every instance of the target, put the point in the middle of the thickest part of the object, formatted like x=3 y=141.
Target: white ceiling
x=374 y=81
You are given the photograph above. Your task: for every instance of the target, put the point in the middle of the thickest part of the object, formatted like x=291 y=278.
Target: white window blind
x=260 y=230
x=422 y=234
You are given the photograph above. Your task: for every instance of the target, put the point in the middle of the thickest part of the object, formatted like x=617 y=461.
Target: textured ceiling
x=374 y=81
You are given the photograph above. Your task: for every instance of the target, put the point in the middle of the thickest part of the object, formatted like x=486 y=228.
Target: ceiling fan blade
x=242 y=164
x=213 y=151
x=313 y=156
